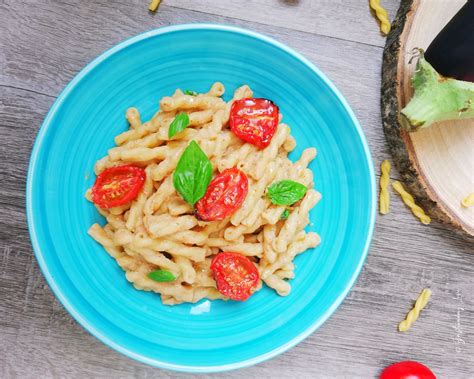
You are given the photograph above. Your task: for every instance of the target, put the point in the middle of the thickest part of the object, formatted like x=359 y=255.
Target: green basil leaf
x=180 y=122
x=193 y=173
x=190 y=93
x=161 y=276
x=286 y=192
x=284 y=215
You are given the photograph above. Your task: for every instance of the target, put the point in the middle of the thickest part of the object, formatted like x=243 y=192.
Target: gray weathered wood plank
x=353 y=67
x=347 y=20
x=45 y=43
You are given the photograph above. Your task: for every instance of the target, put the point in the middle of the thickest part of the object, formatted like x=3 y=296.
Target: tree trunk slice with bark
x=437 y=163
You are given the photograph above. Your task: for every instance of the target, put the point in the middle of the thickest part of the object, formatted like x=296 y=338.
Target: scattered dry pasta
x=158 y=230
x=468 y=201
x=154 y=5
x=384 y=197
x=381 y=15
x=410 y=202
x=413 y=315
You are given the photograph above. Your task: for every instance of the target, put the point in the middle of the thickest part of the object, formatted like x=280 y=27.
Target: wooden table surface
x=44 y=43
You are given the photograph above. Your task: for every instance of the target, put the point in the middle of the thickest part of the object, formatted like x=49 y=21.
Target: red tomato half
x=225 y=194
x=236 y=276
x=254 y=120
x=117 y=186
x=407 y=370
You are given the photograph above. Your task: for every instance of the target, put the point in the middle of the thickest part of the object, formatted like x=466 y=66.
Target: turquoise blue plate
x=80 y=127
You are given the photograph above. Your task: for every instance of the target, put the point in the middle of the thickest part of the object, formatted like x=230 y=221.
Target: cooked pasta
x=413 y=315
x=381 y=15
x=384 y=196
x=410 y=202
x=159 y=231
x=468 y=201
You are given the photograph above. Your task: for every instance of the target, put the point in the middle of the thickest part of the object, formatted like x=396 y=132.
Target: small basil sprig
x=286 y=192
x=190 y=93
x=193 y=173
x=284 y=215
x=161 y=276
x=180 y=122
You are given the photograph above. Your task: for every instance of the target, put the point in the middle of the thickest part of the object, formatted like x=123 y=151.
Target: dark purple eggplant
x=452 y=52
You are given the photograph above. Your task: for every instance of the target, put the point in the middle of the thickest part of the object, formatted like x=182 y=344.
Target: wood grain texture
x=426 y=157
x=44 y=44
x=347 y=20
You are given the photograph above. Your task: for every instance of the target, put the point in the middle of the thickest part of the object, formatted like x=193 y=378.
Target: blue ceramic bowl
x=80 y=127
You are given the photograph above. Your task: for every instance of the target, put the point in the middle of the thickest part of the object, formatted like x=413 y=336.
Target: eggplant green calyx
x=436 y=98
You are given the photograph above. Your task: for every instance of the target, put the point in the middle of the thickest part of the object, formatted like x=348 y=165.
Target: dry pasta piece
x=384 y=197
x=154 y=5
x=412 y=316
x=410 y=202
x=381 y=15
x=468 y=201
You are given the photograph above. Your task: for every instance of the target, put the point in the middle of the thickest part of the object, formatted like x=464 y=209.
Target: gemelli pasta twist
x=382 y=15
x=413 y=315
x=410 y=202
x=384 y=197
x=154 y=5
x=468 y=200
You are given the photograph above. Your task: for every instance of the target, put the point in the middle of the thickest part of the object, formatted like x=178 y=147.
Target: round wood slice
x=437 y=163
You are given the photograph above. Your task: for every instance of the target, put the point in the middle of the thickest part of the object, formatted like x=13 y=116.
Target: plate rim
x=57 y=291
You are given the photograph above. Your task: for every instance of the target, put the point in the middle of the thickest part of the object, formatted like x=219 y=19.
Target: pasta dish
x=202 y=201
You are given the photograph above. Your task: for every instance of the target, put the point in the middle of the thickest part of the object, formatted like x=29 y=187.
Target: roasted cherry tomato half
x=235 y=275
x=254 y=120
x=223 y=197
x=118 y=185
x=407 y=370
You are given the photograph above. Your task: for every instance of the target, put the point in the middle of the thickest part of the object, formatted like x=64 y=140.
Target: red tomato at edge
x=225 y=194
x=407 y=370
x=235 y=275
x=254 y=120
x=118 y=185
